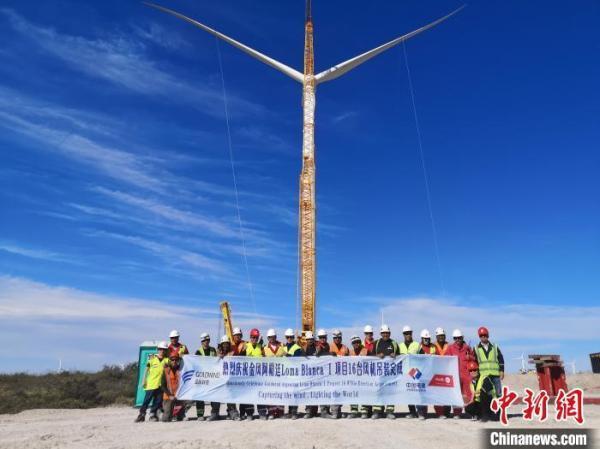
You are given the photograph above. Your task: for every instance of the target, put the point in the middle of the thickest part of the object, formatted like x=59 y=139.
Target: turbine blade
x=344 y=67
x=292 y=73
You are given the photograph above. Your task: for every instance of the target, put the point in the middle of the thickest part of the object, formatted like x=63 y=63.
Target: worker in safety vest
x=409 y=346
x=481 y=394
x=463 y=352
x=254 y=349
x=385 y=347
x=340 y=350
x=427 y=348
x=206 y=350
x=292 y=349
x=224 y=349
x=176 y=347
x=172 y=407
x=311 y=350
x=358 y=349
x=441 y=345
x=274 y=348
x=369 y=342
x=324 y=349
x=490 y=359
x=152 y=382
x=238 y=345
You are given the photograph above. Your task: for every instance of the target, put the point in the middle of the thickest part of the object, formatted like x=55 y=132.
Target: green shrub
x=111 y=385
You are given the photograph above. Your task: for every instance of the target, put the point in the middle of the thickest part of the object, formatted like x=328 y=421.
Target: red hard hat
x=472 y=366
x=254 y=332
x=482 y=331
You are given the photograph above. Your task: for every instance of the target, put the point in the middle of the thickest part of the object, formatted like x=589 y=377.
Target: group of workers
x=481 y=370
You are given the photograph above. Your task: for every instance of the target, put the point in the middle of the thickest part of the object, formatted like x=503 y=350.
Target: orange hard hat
x=482 y=331
x=254 y=332
x=472 y=366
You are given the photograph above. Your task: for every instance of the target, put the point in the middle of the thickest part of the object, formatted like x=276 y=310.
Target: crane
x=307 y=204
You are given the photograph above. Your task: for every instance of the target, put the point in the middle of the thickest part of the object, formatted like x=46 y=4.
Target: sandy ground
x=113 y=427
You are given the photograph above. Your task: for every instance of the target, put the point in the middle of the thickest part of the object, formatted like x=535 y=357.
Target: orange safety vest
x=172 y=382
x=431 y=350
x=441 y=350
x=276 y=351
x=237 y=349
x=341 y=350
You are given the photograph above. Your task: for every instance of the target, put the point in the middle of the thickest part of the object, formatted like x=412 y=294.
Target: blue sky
x=119 y=218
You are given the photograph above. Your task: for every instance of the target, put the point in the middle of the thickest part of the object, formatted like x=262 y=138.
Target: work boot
x=364 y=416
x=422 y=417
x=263 y=417
x=153 y=418
x=390 y=415
x=140 y=418
x=308 y=415
x=294 y=416
x=409 y=416
x=213 y=417
x=326 y=415
x=352 y=415
x=271 y=417
x=376 y=415
x=456 y=417
x=442 y=417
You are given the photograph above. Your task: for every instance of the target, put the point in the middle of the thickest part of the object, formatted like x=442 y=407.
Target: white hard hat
x=271 y=333
x=406 y=329
x=368 y=328
x=289 y=332
x=236 y=331
x=336 y=333
x=384 y=328
x=174 y=333
x=425 y=333
x=204 y=336
x=457 y=333
x=354 y=338
x=440 y=331
x=321 y=333
x=163 y=345
x=225 y=339
x=308 y=335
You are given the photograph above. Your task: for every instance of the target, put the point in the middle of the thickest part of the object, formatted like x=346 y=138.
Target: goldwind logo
x=187 y=376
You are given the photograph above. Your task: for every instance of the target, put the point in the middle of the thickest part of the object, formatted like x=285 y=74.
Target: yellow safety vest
x=209 y=352
x=488 y=366
x=292 y=349
x=477 y=388
x=255 y=351
x=156 y=368
x=412 y=348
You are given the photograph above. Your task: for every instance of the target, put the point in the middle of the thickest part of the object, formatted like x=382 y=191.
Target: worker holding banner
x=409 y=346
x=253 y=349
x=358 y=349
x=385 y=347
x=292 y=349
x=206 y=350
x=274 y=349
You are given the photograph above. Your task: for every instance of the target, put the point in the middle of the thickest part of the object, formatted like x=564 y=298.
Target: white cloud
x=33 y=253
x=170 y=213
x=121 y=60
x=88 y=329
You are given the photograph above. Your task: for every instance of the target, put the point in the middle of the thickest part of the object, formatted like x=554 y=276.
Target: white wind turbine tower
x=309 y=81
x=523 y=364
x=573 y=369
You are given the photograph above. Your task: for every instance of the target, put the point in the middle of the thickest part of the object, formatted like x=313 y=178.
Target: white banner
x=409 y=379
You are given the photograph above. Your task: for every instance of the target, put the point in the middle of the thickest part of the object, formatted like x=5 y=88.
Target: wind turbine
x=307 y=207
x=523 y=365
x=573 y=367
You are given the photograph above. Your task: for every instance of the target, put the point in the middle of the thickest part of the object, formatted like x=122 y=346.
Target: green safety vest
x=488 y=366
x=210 y=352
x=255 y=351
x=292 y=350
x=412 y=348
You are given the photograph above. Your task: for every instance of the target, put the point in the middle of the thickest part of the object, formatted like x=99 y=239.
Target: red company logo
x=442 y=380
